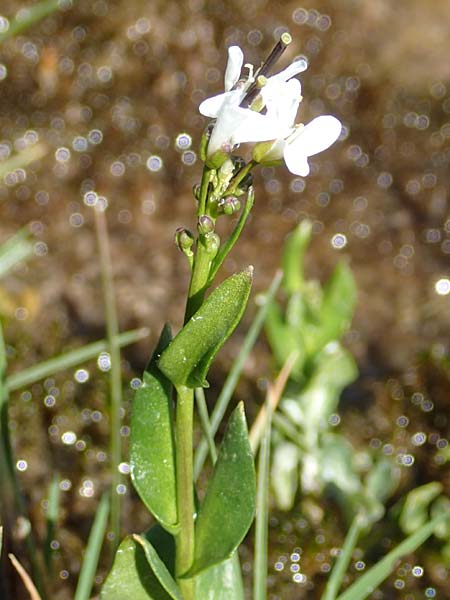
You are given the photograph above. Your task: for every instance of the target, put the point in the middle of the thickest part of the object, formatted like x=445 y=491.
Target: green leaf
x=338 y=304
x=220 y=582
x=187 y=359
x=283 y=339
x=229 y=505
x=152 y=452
x=293 y=256
x=139 y=573
x=415 y=509
x=284 y=474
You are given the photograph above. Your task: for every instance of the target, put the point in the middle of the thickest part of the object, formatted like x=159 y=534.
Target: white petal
x=317 y=136
x=298 y=66
x=257 y=128
x=234 y=66
x=296 y=162
x=229 y=119
x=282 y=101
x=212 y=106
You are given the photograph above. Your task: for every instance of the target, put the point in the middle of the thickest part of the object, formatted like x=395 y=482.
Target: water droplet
x=339 y=241
x=69 y=438
x=154 y=163
x=442 y=286
x=81 y=375
x=21 y=465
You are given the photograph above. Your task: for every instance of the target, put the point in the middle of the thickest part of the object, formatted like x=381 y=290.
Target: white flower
x=235 y=124
x=295 y=143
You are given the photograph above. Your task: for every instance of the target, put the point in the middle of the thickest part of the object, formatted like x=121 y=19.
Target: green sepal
x=228 y=508
x=152 y=452
x=139 y=573
x=187 y=358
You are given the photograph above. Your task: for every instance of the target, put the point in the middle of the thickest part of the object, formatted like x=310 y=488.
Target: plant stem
x=185 y=483
x=115 y=379
x=234 y=183
x=199 y=280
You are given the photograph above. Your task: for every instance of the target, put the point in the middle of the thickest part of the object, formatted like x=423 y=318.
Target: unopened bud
x=196 y=191
x=184 y=240
x=229 y=205
x=203 y=150
x=212 y=244
x=205 y=225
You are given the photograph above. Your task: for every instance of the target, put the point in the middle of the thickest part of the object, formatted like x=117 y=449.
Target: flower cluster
x=260 y=109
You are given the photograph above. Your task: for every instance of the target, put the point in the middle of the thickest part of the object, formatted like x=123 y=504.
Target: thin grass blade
x=340 y=567
x=70 y=359
x=367 y=584
x=15 y=249
x=29 y=16
x=51 y=518
x=90 y=561
x=262 y=508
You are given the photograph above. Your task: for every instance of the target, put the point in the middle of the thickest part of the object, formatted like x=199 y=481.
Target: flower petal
x=234 y=66
x=296 y=67
x=282 y=101
x=212 y=106
x=317 y=136
x=296 y=162
x=256 y=127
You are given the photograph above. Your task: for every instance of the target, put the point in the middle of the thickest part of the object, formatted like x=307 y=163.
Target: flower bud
x=205 y=225
x=212 y=244
x=196 y=191
x=184 y=240
x=229 y=205
x=205 y=141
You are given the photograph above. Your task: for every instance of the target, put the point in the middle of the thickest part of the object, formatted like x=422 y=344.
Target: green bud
x=268 y=153
x=229 y=205
x=184 y=240
x=205 y=141
x=196 y=191
x=212 y=244
x=205 y=225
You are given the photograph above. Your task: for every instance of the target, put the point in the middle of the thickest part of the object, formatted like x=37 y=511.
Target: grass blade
x=27 y=581
x=51 y=518
x=70 y=359
x=28 y=16
x=340 y=567
x=367 y=583
x=15 y=249
x=115 y=374
x=262 y=509
x=94 y=545
x=234 y=374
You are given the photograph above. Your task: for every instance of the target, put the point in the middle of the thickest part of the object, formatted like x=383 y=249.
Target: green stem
x=234 y=183
x=199 y=280
x=185 y=483
x=115 y=379
x=228 y=245
x=341 y=565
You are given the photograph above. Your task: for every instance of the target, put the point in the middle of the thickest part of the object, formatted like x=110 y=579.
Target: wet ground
x=107 y=87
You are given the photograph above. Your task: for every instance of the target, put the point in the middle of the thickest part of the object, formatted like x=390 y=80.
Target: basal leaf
x=293 y=256
x=133 y=576
x=228 y=507
x=152 y=453
x=187 y=358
